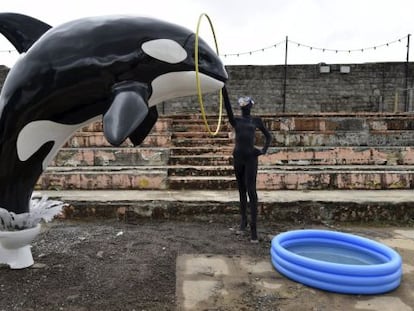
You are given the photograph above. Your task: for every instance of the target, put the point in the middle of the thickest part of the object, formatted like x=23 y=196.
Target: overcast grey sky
x=244 y=26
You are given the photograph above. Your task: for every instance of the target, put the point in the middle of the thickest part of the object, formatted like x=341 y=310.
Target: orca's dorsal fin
x=21 y=30
x=129 y=108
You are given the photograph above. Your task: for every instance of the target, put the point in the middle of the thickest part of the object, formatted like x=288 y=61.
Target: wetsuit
x=245 y=158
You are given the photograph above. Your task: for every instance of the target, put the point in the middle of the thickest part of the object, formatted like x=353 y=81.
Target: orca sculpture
x=115 y=67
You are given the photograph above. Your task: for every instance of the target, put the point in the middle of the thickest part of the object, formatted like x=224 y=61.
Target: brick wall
x=367 y=87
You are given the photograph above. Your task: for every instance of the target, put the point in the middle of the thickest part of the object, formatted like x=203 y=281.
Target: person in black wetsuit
x=245 y=157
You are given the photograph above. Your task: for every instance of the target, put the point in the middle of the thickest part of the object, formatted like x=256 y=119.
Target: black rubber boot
x=253 y=234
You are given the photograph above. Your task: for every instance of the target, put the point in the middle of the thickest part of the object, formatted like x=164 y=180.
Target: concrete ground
x=216 y=282
x=211 y=281
x=152 y=265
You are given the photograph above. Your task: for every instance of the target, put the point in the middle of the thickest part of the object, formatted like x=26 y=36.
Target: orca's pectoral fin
x=21 y=30
x=128 y=110
x=142 y=131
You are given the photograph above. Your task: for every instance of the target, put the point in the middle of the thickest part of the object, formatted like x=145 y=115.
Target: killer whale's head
x=166 y=54
x=173 y=52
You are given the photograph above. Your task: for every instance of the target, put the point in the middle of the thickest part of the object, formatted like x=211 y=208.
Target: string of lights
x=297 y=44
x=256 y=51
x=347 y=50
x=310 y=47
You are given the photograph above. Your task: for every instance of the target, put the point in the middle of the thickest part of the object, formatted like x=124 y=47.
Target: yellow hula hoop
x=200 y=97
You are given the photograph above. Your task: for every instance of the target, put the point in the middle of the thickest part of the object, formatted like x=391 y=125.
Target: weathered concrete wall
x=367 y=87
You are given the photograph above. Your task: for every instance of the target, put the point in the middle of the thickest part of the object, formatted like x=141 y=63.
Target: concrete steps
x=351 y=155
x=213 y=177
x=391 y=207
x=200 y=150
x=207 y=141
x=336 y=177
x=317 y=130
x=298 y=178
x=97 y=139
x=297 y=138
x=103 y=178
x=204 y=159
x=73 y=157
x=306 y=154
x=321 y=152
x=300 y=156
x=342 y=138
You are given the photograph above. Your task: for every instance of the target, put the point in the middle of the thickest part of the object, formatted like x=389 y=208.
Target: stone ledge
x=353 y=206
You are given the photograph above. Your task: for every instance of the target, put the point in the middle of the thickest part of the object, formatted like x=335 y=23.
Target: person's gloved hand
x=258 y=152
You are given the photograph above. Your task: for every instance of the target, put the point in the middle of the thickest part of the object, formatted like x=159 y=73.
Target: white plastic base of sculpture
x=15 y=248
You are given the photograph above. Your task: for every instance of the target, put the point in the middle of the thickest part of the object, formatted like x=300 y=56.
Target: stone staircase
x=198 y=160
x=322 y=151
x=89 y=162
x=307 y=153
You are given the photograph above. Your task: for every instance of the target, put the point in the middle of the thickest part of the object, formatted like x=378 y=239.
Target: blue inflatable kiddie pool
x=336 y=262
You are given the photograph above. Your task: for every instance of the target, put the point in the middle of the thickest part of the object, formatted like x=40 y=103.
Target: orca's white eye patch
x=165 y=50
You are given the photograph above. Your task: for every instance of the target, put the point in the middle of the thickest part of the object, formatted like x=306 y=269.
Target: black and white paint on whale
x=117 y=68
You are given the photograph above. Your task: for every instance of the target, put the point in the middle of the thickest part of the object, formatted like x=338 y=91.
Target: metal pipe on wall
x=285 y=76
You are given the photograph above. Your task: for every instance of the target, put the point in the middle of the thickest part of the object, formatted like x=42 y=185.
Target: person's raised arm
x=227 y=105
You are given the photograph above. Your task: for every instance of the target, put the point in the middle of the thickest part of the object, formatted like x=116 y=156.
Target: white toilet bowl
x=15 y=247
